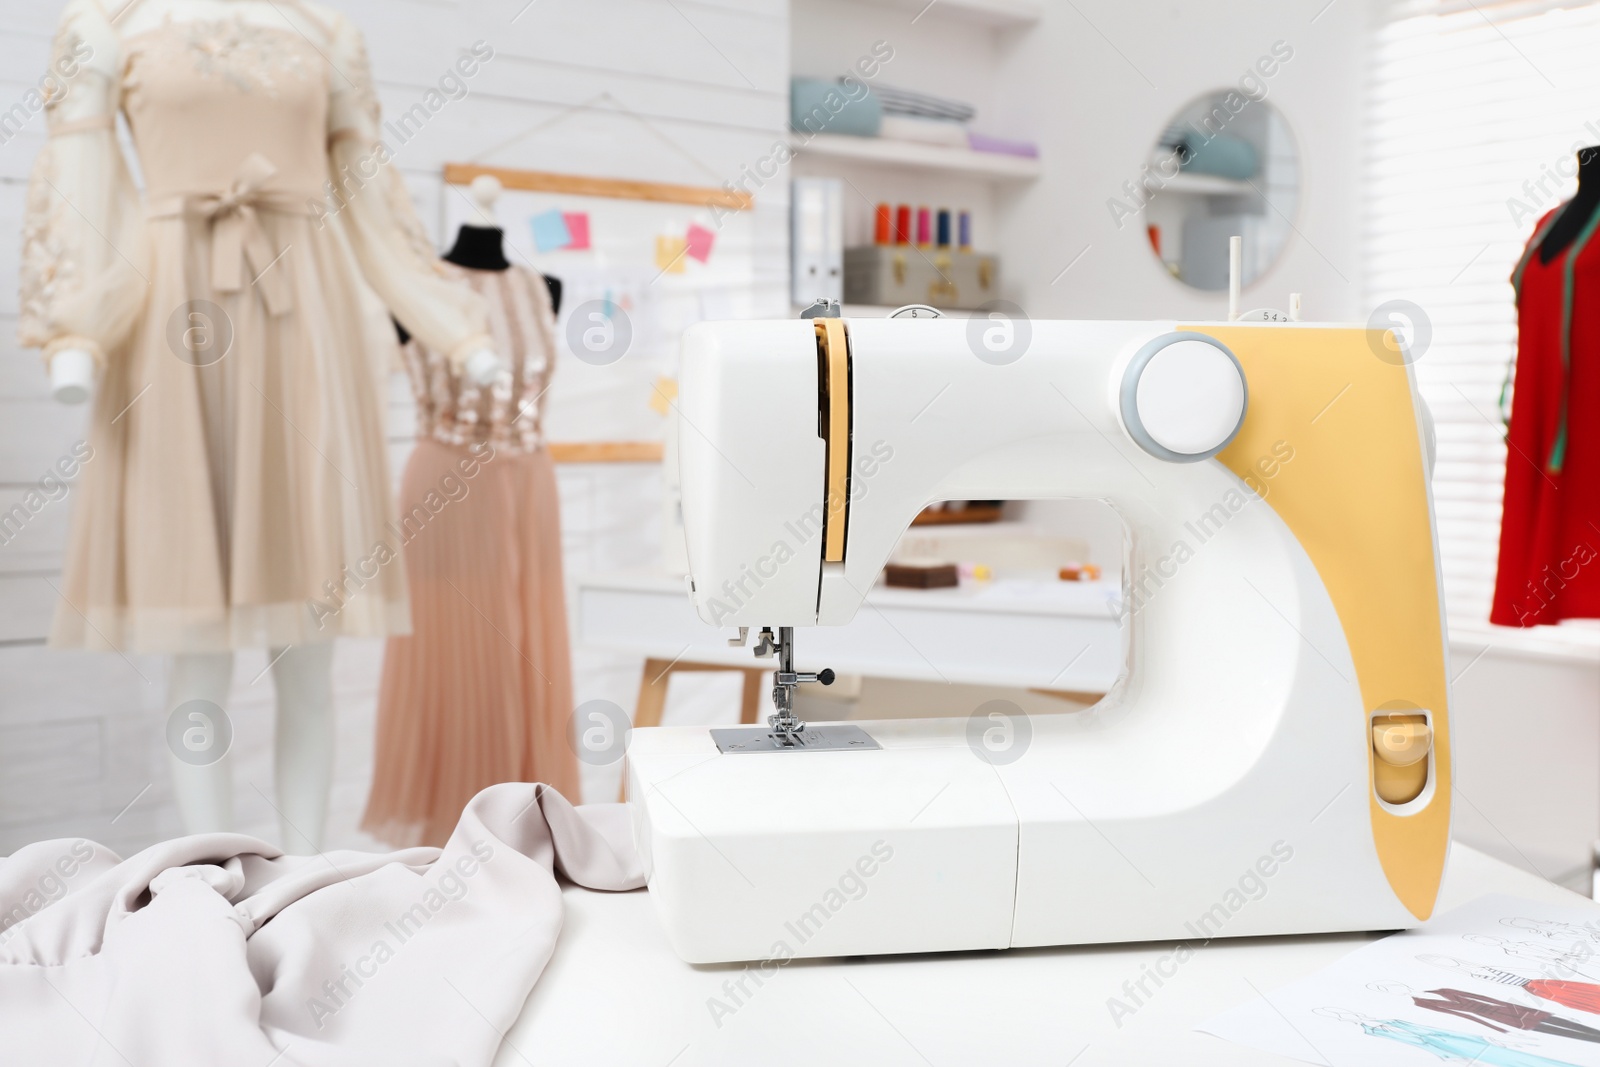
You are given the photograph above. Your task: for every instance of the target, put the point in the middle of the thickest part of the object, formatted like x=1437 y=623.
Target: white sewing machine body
x=1283 y=597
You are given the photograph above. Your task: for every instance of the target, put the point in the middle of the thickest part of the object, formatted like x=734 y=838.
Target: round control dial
x=1183 y=397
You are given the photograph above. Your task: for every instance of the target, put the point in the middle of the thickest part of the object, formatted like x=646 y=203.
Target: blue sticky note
x=550 y=231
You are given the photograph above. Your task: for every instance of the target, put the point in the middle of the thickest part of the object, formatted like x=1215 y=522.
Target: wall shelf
x=910 y=155
x=1000 y=14
x=1206 y=185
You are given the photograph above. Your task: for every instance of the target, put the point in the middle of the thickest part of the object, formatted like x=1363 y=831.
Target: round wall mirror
x=1225 y=166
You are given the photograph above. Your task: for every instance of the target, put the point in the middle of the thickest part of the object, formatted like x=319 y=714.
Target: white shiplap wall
x=687 y=92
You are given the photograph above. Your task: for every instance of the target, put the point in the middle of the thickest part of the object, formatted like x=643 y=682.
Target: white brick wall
x=81 y=749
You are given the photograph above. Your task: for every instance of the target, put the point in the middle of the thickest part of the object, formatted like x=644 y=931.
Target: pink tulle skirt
x=481 y=690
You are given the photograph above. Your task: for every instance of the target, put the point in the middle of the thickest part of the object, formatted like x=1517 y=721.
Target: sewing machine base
x=1182 y=807
x=816 y=737
x=921 y=846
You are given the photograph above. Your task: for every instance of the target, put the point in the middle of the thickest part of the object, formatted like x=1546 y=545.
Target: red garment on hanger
x=1550 y=523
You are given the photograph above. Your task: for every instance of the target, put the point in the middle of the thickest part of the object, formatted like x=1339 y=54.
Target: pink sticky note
x=699 y=239
x=578 y=229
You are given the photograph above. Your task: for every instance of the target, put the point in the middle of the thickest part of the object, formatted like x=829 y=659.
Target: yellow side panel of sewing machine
x=1356 y=498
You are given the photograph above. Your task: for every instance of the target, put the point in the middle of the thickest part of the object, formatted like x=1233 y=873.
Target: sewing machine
x=1275 y=759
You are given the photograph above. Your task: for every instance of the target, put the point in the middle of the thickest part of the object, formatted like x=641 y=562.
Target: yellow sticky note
x=670 y=254
x=662 y=396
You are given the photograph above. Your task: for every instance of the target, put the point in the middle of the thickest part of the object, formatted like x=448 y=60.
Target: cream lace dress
x=239 y=491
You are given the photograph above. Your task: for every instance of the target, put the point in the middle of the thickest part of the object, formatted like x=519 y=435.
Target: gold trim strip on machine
x=833 y=344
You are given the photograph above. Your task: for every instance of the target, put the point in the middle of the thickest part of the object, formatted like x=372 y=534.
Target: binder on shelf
x=816 y=240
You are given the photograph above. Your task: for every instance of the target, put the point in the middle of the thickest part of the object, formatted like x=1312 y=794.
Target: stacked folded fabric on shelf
x=839 y=107
x=923 y=119
x=982 y=142
x=817 y=106
x=921 y=105
x=897 y=127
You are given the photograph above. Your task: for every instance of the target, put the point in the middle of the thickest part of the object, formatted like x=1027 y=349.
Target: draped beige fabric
x=238 y=491
x=218 y=950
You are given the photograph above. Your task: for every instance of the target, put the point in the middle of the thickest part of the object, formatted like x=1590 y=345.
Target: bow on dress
x=236 y=234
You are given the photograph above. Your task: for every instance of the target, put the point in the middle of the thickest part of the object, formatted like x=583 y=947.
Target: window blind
x=1474 y=114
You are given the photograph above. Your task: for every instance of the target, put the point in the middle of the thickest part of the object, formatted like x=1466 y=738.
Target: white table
x=614 y=994
x=1023 y=634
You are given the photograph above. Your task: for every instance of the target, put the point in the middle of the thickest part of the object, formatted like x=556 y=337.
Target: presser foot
x=786 y=731
x=786 y=726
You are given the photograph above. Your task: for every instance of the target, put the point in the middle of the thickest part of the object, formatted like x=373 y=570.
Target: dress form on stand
x=1549 y=501
x=1578 y=211
x=302 y=678
x=479 y=692
x=480 y=245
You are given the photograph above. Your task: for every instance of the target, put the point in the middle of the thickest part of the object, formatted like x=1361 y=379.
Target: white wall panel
x=685 y=92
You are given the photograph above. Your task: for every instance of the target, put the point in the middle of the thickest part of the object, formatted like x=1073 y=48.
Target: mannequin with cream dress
x=230 y=325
